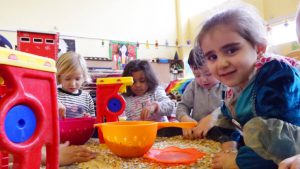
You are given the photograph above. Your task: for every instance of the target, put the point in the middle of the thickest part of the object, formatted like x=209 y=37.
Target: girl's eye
x=211 y=57
x=231 y=51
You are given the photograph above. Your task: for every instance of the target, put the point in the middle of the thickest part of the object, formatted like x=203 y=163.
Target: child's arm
x=184 y=108
x=163 y=104
x=277 y=120
x=61 y=110
x=74 y=154
x=91 y=110
x=272 y=139
x=186 y=104
x=70 y=154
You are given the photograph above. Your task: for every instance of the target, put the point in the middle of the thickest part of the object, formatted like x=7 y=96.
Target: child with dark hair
x=262 y=99
x=200 y=98
x=145 y=99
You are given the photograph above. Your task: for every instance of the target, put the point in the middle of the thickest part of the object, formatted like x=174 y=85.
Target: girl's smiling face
x=230 y=58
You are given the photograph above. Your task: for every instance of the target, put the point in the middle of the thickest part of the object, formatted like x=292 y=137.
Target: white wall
x=91 y=21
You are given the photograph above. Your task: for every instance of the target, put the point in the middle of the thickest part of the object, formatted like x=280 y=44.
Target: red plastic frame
x=37 y=90
x=104 y=93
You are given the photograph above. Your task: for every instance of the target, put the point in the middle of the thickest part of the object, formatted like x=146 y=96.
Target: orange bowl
x=76 y=130
x=129 y=138
x=133 y=138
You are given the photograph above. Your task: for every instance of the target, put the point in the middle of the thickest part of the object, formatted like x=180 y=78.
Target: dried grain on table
x=108 y=160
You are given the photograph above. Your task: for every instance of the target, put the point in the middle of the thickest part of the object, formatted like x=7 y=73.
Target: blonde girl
x=71 y=74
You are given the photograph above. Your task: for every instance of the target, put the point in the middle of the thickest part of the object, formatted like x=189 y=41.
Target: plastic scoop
x=176 y=124
x=174 y=155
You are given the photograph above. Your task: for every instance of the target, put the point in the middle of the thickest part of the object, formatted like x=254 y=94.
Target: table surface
x=106 y=159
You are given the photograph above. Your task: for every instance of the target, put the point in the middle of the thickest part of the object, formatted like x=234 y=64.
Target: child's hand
x=72 y=154
x=187 y=132
x=290 y=163
x=146 y=113
x=229 y=145
x=149 y=110
x=61 y=110
x=225 y=160
x=204 y=125
x=85 y=114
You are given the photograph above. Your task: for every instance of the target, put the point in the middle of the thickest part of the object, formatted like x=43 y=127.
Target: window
x=282 y=33
x=49 y=41
x=37 y=40
x=25 y=39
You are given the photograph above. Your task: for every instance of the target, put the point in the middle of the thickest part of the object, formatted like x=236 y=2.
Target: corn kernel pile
x=106 y=159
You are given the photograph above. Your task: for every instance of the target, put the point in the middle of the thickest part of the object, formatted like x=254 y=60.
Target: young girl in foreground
x=145 y=99
x=71 y=73
x=263 y=100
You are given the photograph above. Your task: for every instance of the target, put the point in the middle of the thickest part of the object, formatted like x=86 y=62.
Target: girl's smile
x=227 y=74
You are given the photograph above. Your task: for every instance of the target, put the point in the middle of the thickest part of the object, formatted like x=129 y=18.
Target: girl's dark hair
x=140 y=65
x=196 y=59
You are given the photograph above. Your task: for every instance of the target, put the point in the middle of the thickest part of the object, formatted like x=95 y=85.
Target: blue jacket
x=272 y=97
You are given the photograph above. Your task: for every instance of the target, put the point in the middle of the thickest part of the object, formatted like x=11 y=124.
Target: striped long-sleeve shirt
x=76 y=104
x=135 y=104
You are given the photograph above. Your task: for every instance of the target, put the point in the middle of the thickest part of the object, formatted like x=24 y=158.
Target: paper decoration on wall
x=122 y=53
x=156 y=44
x=286 y=23
x=66 y=45
x=176 y=57
x=178 y=86
x=4 y=42
x=269 y=28
x=167 y=43
x=147 y=44
x=188 y=42
x=295 y=46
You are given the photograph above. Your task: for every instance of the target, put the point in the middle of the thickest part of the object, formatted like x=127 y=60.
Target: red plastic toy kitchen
x=28 y=116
